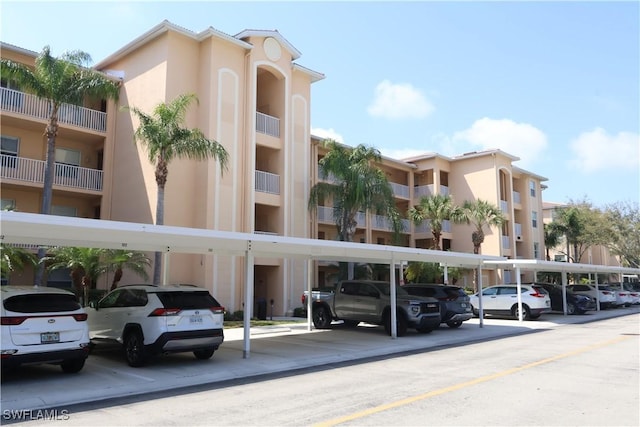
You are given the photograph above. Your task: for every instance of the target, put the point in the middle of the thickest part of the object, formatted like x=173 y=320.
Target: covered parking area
x=564 y=268
x=51 y=230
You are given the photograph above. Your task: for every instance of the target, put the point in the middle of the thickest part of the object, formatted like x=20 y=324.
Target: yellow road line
x=455 y=387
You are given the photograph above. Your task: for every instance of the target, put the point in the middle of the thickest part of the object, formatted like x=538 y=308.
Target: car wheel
x=204 y=353
x=401 y=324
x=321 y=318
x=571 y=308
x=454 y=324
x=475 y=312
x=525 y=316
x=72 y=366
x=134 y=349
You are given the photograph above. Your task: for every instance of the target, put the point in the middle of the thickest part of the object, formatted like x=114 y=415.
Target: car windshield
x=42 y=303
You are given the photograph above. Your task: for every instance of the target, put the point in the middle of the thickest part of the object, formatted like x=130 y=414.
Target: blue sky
x=554 y=83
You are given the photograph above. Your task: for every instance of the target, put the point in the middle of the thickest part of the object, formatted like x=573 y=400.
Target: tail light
x=82 y=317
x=165 y=312
x=303 y=299
x=605 y=292
x=537 y=294
x=13 y=320
x=217 y=310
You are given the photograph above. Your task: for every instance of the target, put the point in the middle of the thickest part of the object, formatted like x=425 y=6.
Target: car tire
x=525 y=316
x=475 y=312
x=134 y=349
x=321 y=317
x=204 y=353
x=72 y=366
x=401 y=323
x=571 y=308
x=454 y=325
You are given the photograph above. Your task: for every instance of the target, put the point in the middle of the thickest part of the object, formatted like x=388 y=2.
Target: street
x=579 y=374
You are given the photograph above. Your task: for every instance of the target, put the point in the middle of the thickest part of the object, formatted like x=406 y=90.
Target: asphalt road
x=577 y=374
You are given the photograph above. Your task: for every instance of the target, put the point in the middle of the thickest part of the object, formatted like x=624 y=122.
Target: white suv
x=503 y=300
x=43 y=325
x=149 y=320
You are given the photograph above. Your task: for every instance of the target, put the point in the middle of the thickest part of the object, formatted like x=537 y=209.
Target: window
x=534 y=219
x=532 y=188
x=7 y=204
x=63 y=210
x=536 y=250
x=67 y=162
x=9 y=151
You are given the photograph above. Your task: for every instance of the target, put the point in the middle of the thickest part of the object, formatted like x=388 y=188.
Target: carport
x=52 y=230
x=536 y=265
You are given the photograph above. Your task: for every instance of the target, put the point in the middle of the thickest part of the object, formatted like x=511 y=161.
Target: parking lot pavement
x=274 y=349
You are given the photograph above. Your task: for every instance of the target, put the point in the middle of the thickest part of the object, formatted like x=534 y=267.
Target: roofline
x=473 y=154
x=162 y=28
x=315 y=75
x=526 y=172
x=295 y=53
x=18 y=49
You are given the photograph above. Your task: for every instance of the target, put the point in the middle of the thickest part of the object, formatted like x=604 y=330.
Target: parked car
x=43 y=325
x=454 y=302
x=625 y=294
x=607 y=296
x=634 y=292
x=503 y=300
x=576 y=303
x=148 y=320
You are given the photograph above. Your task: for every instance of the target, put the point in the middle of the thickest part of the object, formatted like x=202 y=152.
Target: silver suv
x=149 y=320
x=43 y=325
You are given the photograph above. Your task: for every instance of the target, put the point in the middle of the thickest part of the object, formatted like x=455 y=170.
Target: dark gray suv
x=454 y=302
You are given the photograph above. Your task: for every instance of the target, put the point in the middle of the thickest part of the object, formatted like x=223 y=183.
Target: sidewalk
x=274 y=349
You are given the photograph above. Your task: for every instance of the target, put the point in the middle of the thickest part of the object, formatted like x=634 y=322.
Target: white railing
x=516 y=197
x=325 y=214
x=400 y=190
x=33 y=106
x=267 y=124
x=504 y=206
x=30 y=170
x=381 y=222
x=444 y=190
x=446 y=226
x=267 y=182
x=422 y=191
x=518 y=229
x=269 y=233
x=361 y=219
x=506 y=242
x=423 y=228
x=329 y=177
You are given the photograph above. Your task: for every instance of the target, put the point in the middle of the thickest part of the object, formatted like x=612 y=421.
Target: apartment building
x=254 y=98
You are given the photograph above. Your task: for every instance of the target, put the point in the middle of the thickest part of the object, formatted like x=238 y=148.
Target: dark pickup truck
x=355 y=301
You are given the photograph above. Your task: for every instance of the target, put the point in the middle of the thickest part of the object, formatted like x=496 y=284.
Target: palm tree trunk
x=47 y=189
x=157 y=264
x=117 y=276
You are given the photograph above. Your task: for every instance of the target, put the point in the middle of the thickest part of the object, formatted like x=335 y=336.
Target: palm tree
x=435 y=209
x=552 y=238
x=13 y=258
x=165 y=139
x=121 y=259
x=357 y=185
x=86 y=265
x=480 y=214
x=64 y=80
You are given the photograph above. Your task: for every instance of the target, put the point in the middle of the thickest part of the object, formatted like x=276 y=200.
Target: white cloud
x=327 y=134
x=399 y=101
x=519 y=139
x=597 y=150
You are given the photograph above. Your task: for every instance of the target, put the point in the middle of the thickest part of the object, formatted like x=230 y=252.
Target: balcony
x=504 y=206
x=325 y=215
x=506 y=242
x=400 y=190
x=267 y=182
x=381 y=222
x=422 y=191
x=33 y=106
x=425 y=227
x=30 y=170
x=516 y=198
x=268 y=125
x=444 y=190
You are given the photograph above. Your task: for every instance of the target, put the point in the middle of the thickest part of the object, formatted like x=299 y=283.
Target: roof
x=295 y=53
x=489 y=152
x=560 y=267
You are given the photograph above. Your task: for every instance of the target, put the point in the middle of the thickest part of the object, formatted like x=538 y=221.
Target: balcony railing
x=325 y=215
x=400 y=190
x=30 y=170
x=422 y=191
x=516 y=197
x=518 y=229
x=267 y=124
x=381 y=222
x=33 y=106
x=444 y=190
x=426 y=228
x=504 y=206
x=267 y=182
x=506 y=242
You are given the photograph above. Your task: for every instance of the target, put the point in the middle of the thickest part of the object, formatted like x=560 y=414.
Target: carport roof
x=38 y=229
x=567 y=267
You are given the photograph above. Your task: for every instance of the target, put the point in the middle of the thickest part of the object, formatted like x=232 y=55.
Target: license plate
x=49 y=337
x=195 y=319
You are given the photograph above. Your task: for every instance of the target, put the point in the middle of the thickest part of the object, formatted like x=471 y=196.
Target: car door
x=99 y=318
x=507 y=297
x=344 y=301
x=366 y=305
x=490 y=299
